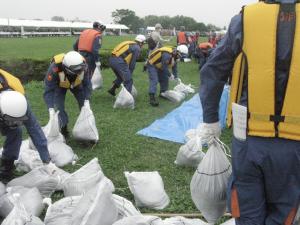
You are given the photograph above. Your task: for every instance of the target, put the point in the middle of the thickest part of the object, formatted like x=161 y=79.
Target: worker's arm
x=87 y=85
x=96 y=47
x=135 y=49
x=165 y=61
x=216 y=71
x=51 y=82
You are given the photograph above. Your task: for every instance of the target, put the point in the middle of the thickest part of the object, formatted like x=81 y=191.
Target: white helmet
x=183 y=49
x=13 y=107
x=158 y=26
x=140 y=38
x=73 y=63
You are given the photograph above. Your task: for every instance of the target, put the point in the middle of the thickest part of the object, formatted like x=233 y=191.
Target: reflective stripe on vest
x=261 y=68
x=122 y=50
x=156 y=55
x=12 y=82
x=182 y=38
x=63 y=80
x=86 y=40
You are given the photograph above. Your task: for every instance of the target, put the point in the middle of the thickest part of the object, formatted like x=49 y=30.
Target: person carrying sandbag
x=261 y=51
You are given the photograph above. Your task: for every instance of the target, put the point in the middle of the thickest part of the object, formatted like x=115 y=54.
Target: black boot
x=153 y=100
x=112 y=90
x=6 y=170
x=65 y=132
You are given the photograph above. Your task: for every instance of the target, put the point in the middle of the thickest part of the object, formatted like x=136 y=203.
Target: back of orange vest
x=182 y=38
x=86 y=40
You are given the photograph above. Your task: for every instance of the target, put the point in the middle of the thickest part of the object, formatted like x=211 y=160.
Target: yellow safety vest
x=12 y=82
x=155 y=57
x=122 y=51
x=258 y=59
x=63 y=80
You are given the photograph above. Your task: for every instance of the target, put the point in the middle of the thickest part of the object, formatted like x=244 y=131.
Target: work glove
x=209 y=131
x=98 y=65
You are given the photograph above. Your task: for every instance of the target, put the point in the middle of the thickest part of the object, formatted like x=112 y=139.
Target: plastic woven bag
x=125 y=207
x=229 y=222
x=209 y=183
x=124 y=99
x=2 y=189
x=148 y=189
x=28 y=160
x=173 y=96
x=85 y=126
x=61 y=154
x=134 y=92
x=181 y=87
x=97 y=79
x=139 y=220
x=179 y=220
x=191 y=153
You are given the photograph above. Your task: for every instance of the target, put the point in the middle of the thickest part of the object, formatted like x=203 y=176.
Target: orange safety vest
x=205 y=45
x=182 y=38
x=86 y=40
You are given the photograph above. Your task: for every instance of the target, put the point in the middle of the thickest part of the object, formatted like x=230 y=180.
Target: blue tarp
x=174 y=125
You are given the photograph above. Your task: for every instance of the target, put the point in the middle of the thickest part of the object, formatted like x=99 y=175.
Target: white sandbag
x=125 y=207
x=28 y=160
x=96 y=207
x=60 y=212
x=179 y=220
x=124 y=99
x=229 y=222
x=83 y=179
x=190 y=154
x=2 y=189
x=148 y=189
x=173 y=96
x=209 y=183
x=97 y=79
x=61 y=154
x=29 y=197
x=46 y=178
x=134 y=92
x=20 y=216
x=139 y=220
x=181 y=87
x=85 y=126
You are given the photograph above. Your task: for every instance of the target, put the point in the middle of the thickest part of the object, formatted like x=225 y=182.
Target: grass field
x=119 y=149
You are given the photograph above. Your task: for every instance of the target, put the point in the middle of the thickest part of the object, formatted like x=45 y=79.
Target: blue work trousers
x=122 y=72
x=157 y=76
x=265 y=185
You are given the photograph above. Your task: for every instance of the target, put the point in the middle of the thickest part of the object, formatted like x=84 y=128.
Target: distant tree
x=58 y=18
x=128 y=18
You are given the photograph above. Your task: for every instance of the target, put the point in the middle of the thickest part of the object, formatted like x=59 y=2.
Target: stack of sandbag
x=186 y=89
x=20 y=216
x=173 y=96
x=139 y=220
x=96 y=207
x=97 y=79
x=83 y=179
x=179 y=220
x=190 y=154
x=2 y=189
x=46 y=179
x=209 y=183
x=125 y=208
x=85 y=127
x=60 y=212
x=229 y=222
x=29 y=197
x=124 y=99
x=148 y=189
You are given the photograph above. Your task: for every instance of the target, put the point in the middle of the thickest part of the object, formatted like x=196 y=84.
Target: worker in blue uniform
x=261 y=51
x=66 y=72
x=15 y=112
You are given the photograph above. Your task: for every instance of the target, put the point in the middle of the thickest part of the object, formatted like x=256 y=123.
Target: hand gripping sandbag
x=140 y=220
x=229 y=222
x=60 y=212
x=29 y=197
x=124 y=99
x=191 y=153
x=179 y=220
x=125 y=207
x=61 y=154
x=85 y=126
x=96 y=207
x=173 y=96
x=181 y=87
x=209 y=183
x=97 y=79
x=148 y=189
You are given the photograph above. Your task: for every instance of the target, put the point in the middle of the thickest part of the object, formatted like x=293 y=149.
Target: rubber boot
x=153 y=100
x=65 y=132
x=6 y=170
x=112 y=90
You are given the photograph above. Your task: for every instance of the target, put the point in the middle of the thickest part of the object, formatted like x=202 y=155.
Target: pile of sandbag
x=125 y=208
x=140 y=220
x=190 y=154
x=179 y=220
x=97 y=79
x=124 y=99
x=209 y=183
x=148 y=189
x=85 y=127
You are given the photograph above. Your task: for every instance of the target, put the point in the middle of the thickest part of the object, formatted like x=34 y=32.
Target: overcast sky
x=217 y=12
